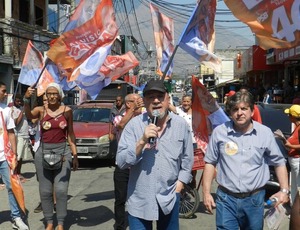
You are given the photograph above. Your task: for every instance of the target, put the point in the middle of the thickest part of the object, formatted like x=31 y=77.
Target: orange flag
x=73 y=47
x=15 y=182
x=163 y=28
x=44 y=81
x=275 y=23
x=200 y=123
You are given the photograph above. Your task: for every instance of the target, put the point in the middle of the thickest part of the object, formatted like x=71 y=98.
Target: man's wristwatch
x=285 y=191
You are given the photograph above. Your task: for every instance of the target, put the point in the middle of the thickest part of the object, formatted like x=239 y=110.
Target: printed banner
x=198 y=37
x=83 y=12
x=112 y=68
x=44 y=81
x=32 y=65
x=276 y=23
x=74 y=46
x=58 y=77
x=200 y=122
x=163 y=28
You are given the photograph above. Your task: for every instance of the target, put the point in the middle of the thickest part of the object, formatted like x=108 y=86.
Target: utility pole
x=31 y=13
x=73 y=6
x=58 y=15
x=6 y=38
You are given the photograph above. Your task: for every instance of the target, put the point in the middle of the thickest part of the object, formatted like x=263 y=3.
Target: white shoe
x=19 y=224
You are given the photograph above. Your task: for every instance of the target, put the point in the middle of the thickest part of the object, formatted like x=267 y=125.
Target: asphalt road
x=90 y=203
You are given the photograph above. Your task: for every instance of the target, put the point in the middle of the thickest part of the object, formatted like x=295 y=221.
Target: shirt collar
x=230 y=129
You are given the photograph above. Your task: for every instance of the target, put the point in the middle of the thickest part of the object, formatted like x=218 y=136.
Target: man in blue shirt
x=158 y=171
x=241 y=150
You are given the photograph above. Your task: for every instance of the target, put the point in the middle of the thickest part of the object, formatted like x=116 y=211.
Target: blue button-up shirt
x=242 y=159
x=153 y=174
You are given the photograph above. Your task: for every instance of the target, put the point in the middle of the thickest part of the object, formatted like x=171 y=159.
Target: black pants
x=120 y=182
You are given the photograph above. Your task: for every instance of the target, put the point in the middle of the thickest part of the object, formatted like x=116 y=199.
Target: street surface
x=91 y=201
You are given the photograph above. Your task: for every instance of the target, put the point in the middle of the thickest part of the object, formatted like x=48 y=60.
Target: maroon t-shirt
x=54 y=129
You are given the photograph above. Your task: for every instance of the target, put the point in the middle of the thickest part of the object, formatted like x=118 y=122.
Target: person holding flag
x=56 y=124
x=8 y=162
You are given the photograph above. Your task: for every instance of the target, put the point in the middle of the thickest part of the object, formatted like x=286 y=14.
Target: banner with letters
x=74 y=46
x=276 y=23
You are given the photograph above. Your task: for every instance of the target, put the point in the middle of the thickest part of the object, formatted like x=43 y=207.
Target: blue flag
x=198 y=37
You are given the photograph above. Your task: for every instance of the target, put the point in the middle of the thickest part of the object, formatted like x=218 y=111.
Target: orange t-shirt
x=294 y=140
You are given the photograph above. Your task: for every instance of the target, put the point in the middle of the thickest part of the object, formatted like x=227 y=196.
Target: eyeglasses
x=52 y=94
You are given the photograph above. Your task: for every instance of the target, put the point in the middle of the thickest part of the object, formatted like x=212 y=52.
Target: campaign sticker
x=231 y=148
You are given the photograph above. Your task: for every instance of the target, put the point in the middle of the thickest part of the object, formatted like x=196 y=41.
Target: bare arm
x=208 y=176
x=12 y=140
x=129 y=114
x=72 y=138
x=282 y=176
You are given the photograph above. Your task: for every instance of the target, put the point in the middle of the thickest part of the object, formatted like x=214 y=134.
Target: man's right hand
x=209 y=202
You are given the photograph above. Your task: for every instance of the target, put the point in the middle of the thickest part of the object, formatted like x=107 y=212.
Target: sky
x=229 y=35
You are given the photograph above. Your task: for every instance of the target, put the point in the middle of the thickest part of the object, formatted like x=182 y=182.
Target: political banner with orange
x=198 y=37
x=44 y=81
x=276 y=23
x=74 y=46
x=111 y=69
x=32 y=65
x=163 y=28
x=200 y=122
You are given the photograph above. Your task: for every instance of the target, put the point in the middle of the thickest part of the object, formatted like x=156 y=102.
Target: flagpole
x=13 y=97
x=176 y=47
x=169 y=63
x=46 y=62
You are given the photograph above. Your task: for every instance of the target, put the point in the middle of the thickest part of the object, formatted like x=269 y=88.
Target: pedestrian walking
x=53 y=158
x=159 y=169
x=293 y=146
x=22 y=133
x=7 y=125
x=133 y=104
x=240 y=150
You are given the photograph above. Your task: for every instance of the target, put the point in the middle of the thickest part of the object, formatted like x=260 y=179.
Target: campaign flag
x=198 y=37
x=59 y=77
x=11 y=159
x=32 y=65
x=163 y=28
x=200 y=122
x=276 y=24
x=112 y=68
x=74 y=46
x=44 y=81
x=84 y=11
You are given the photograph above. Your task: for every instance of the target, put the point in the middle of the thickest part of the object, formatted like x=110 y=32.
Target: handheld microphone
x=155 y=115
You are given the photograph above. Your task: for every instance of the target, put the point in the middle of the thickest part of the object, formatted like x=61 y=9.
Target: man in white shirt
x=21 y=132
x=4 y=167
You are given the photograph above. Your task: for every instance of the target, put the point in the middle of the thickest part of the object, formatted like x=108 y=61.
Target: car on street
x=91 y=122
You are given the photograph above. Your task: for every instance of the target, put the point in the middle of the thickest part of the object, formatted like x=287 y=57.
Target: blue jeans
x=4 y=171
x=165 y=222
x=235 y=213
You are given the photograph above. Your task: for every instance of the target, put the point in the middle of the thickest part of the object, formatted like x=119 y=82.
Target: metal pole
x=169 y=63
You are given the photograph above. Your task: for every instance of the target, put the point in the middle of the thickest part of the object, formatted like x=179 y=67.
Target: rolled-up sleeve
x=218 y=117
x=126 y=154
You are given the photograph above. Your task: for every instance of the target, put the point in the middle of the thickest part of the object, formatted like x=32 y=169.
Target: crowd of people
x=154 y=159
